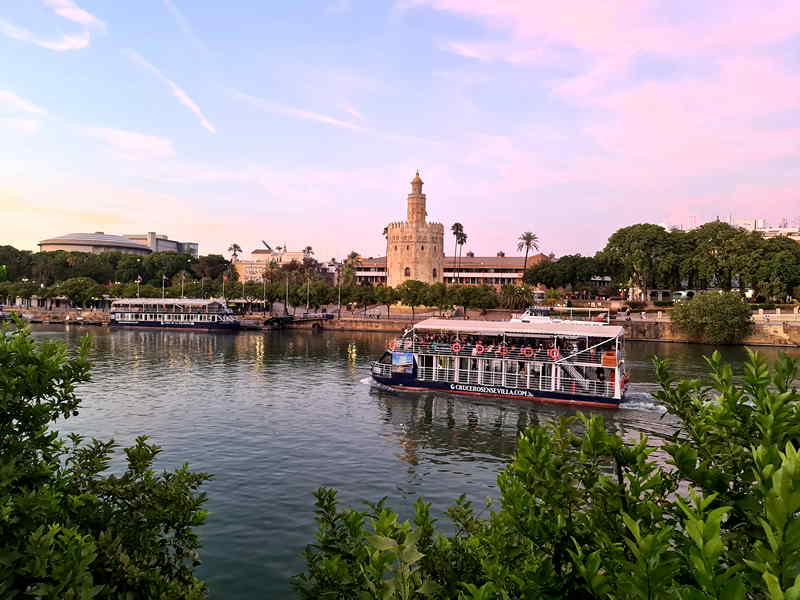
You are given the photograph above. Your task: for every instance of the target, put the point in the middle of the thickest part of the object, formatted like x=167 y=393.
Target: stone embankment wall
x=36 y=315
x=378 y=325
x=773 y=334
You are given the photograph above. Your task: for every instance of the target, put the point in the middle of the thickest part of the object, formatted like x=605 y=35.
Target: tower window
x=422 y=247
x=395 y=248
x=407 y=272
x=434 y=273
x=408 y=247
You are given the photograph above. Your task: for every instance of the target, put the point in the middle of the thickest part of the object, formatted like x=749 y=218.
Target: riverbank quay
x=785 y=333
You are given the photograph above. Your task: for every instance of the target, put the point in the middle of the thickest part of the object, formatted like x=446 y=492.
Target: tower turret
x=416 y=202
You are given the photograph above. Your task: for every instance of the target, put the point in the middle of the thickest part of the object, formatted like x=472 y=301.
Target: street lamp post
x=264 y=292
x=340 y=297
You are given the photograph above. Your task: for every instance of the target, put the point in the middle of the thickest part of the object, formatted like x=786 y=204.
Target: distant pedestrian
x=644 y=316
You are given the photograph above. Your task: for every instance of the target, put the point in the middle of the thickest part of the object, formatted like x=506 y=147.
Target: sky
x=302 y=123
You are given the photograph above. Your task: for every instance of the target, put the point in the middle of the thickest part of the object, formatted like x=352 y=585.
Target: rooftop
x=580 y=328
x=166 y=301
x=506 y=262
x=95 y=239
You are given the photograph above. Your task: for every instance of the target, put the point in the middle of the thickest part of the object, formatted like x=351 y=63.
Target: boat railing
x=381 y=369
x=594 y=355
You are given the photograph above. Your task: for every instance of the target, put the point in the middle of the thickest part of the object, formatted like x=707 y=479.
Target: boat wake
x=641 y=401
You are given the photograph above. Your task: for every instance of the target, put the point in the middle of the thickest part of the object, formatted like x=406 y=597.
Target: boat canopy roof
x=543 y=327
x=170 y=301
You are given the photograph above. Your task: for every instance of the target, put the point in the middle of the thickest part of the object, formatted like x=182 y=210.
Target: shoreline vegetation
x=582 y=514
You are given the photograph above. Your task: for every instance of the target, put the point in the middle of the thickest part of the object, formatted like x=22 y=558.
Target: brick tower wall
x=418 y=247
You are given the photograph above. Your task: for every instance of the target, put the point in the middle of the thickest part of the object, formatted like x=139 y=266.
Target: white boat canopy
x=544 y=327
x=168 y=301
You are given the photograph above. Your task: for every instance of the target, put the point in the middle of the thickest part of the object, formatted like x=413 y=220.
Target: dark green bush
x=68 y=529
x=664 y=303
x=634 y=305
x=715 y=318
x=585 y=514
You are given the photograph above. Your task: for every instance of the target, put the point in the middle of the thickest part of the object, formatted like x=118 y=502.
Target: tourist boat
x=533 y=357
x=171 y=313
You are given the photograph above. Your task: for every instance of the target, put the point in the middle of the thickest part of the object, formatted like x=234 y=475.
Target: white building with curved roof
x=94 y=243
x=100 y=241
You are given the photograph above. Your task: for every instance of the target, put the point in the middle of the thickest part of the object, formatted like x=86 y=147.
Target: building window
x=395 y=248
x=408 y=247
x=422 y=247
x=434 y=273
x=407 y=272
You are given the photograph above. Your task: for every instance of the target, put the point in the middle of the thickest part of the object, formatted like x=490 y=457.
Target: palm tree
x=234 y=249
x=461 y=239
x=525 y=242
x=457 y=229
x=308 y=251
x=386 y=268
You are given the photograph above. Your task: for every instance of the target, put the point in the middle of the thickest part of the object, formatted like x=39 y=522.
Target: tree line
x=714 y=255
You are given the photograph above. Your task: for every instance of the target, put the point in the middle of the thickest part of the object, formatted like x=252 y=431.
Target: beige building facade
x=415 y=248
x=260 y=261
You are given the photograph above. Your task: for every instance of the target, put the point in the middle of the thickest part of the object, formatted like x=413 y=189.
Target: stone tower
x=415 y=248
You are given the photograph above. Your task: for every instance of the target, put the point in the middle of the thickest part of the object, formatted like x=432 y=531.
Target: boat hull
x=404 y=383
x=222 y=327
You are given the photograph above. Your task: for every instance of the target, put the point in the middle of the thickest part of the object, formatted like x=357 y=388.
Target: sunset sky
x=303 y=122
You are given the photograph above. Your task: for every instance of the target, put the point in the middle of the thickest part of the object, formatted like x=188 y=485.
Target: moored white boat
x=173 y=313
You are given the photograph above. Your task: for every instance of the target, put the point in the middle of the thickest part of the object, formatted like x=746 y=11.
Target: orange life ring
x=393 y=345
x=553 y=353
x=456 y=347
x=479 y=349
x=503 y=350
x=527 y=352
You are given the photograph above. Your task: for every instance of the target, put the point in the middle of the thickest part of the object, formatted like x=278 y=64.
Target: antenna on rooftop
x=266 y=245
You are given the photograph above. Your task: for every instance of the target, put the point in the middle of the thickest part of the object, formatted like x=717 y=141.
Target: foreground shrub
x=69 y=530
x=583 y=514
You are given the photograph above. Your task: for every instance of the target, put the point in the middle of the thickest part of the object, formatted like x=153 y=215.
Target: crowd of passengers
x=475 y=345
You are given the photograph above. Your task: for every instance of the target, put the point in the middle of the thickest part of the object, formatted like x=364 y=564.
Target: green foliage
x=585 y=514
x=569 y=270
x=68 y=528
x=80 y=290
x=716 y=318
x=712 y=255
x=387 y=296
x=412 y=293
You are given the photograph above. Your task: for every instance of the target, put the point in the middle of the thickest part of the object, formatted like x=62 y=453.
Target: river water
x=276 y=415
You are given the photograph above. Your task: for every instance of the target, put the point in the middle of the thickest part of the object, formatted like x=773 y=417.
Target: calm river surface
x=276 y=415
